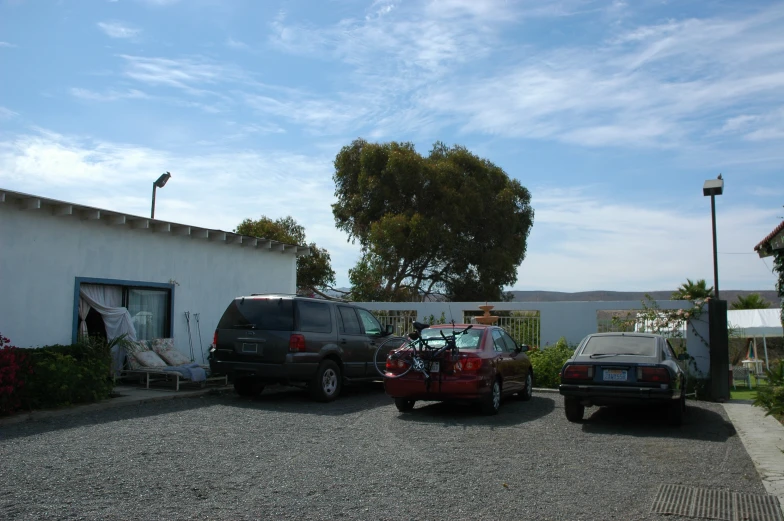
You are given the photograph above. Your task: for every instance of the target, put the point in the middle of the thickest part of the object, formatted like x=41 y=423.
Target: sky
x=612 y=113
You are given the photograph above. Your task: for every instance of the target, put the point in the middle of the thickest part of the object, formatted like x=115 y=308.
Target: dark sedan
x=488 y=365
x=609 y=369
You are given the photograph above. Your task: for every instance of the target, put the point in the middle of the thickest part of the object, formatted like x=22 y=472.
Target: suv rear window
x=314 y=317
x=250 y=313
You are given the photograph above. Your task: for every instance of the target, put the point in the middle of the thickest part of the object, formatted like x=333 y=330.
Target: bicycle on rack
x=417 y=353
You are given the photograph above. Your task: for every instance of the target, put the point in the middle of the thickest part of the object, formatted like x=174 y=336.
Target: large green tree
x=449 y=223
x=314 y=271
x=750 y=301
x=691 y=290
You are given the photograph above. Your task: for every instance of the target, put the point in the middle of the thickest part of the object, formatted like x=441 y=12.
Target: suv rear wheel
x=327 y=382
x=248 y=386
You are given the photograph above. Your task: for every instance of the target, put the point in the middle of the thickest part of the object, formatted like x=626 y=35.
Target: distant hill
x=594 y=296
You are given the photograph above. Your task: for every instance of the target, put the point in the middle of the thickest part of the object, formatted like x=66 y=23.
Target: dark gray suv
x=287 y=339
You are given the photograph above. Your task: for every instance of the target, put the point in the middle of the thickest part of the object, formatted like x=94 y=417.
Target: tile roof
x=778 y=229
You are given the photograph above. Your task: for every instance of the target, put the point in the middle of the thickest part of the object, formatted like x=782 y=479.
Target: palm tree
x=693 y=290
x=750 y=301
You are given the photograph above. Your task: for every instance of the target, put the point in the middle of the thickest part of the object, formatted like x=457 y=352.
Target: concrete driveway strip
x=763 y=438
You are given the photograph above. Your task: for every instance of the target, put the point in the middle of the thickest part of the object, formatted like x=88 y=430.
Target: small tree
x=750 y=301
x=314 y=271
x=691 y=290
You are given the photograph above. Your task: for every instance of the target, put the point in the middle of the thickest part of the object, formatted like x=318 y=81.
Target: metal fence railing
x=523 y=326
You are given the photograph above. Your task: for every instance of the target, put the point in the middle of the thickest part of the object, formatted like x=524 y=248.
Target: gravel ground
x=282 y=456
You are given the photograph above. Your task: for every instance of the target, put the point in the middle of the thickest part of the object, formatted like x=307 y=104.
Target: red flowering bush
x=13 y=368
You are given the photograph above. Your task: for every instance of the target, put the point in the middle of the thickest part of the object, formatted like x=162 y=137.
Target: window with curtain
x=149 y=309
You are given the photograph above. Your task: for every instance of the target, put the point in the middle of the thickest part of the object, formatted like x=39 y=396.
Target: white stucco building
x=52 y=251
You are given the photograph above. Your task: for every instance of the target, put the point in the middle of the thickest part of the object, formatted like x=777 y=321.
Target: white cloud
x=582 y=241
x=118 y=30
x=7 y=44
x=236 y=44
x=649 y=86
x=188 y=74
x=110 y=95
x=7 y=113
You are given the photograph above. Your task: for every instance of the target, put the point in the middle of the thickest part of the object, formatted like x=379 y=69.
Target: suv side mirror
x=522 y=348
x=683 y=356
x=388 y=329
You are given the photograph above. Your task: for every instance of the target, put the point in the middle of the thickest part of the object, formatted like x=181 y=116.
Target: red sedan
x=486 y=365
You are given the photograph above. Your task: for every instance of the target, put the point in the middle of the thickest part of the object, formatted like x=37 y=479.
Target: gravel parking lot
x=284 y=457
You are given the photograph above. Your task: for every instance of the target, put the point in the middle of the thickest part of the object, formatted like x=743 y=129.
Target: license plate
x=615 y=375
x=435 y=367
x=251 y=348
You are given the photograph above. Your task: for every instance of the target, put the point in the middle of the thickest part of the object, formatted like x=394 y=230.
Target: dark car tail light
x=215 y=338
x=577 y=372
x=659 y=375
x=468 y=363
x=296 y=343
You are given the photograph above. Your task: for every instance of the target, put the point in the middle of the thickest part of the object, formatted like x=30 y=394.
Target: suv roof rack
x=275 y=293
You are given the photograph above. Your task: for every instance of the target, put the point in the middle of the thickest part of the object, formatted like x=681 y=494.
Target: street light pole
x=159 y=183
x=712 y=188
x=715 y=252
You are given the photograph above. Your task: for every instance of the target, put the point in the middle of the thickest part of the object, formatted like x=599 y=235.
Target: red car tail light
x=395 y=365
x=653 y=374
x=468 y=363
x=215 y=338
x=577 y=372
x=296 y=343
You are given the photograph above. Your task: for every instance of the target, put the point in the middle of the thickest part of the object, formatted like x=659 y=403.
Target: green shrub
x=69 y=374
x=547 y=363
x=771 y=396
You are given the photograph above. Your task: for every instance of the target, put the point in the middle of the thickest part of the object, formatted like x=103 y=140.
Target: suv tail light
x=215 y=338
x=577 y=372
x=297 y=343
x=468 y=363
x=653 y=374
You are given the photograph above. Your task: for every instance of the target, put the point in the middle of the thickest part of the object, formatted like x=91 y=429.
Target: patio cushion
x=134 y=347
x=174 y=357
x=149 y=359
x=162 y=344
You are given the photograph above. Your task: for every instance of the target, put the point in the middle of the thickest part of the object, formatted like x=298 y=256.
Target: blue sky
x=611 y=113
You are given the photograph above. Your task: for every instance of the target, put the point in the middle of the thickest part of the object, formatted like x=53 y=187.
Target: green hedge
x=68 y=374
x=547 y=363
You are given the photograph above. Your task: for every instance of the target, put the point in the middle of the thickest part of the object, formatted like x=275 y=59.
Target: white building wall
x=572 y=320
x=41 y=255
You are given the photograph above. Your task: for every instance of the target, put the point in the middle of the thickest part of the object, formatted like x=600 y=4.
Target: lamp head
x=713 y=187
x=162 y=180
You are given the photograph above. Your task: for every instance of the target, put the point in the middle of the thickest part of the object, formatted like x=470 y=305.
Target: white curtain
x=84 y=309
x=149 y=310
x=107 y=300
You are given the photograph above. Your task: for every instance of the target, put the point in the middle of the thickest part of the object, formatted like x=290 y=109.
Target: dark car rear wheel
x=574 y=410
x=492 y=402
x=327 y=382
x=248 y=386
x=528 y=391
x=676 y=412
x=404 y=405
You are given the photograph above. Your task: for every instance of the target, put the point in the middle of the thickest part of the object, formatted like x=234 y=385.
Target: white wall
x=41 y=255
x=572 y=320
